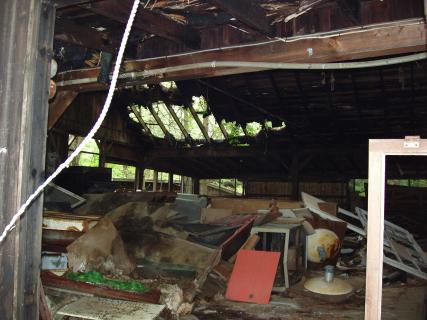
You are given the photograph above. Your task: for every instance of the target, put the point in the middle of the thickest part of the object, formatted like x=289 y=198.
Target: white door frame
x=378 y=150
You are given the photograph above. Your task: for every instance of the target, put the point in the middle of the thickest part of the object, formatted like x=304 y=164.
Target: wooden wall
x=328 y=191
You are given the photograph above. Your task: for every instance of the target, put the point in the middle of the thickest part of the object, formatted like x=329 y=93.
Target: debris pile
x=174 y=257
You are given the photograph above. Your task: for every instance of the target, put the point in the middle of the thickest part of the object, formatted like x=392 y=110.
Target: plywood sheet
x=107 y=309
x=253 y=276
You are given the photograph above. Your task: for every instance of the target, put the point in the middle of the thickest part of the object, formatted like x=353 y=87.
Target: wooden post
x=375 y=234
x=139 y=179
x=155 y=180
x=102 y=153
x=196 y=185
x=25 y=54
x=170 y=182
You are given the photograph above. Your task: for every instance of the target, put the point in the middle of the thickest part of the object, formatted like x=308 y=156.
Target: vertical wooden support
x=102 y=146
x=155 y=180
x=182 y=184
x=26 y=31
x=139 y=179
x=196 y=185
x=170 y=182
x=374 y=270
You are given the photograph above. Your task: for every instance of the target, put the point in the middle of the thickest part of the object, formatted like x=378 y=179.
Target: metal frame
x=378 y=150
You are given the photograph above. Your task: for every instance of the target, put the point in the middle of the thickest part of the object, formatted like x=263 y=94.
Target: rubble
x=187 y=262
x=101 y=248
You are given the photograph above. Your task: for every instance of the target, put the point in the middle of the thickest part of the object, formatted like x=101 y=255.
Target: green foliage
x=121 y=171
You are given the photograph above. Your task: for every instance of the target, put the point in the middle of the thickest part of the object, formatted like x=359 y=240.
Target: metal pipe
x=329 y=273
x=260 y=66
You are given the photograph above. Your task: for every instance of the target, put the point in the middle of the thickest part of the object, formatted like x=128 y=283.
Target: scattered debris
x=101 y=248
x=107 y=309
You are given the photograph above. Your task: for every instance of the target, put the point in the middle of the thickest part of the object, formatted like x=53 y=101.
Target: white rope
x=90 y=135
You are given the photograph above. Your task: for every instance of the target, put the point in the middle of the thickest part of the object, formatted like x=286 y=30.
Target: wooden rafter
x=69 y=32
x=248 y=12
x=148 y=21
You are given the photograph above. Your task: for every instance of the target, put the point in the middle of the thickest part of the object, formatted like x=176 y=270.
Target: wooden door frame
x=378 y=150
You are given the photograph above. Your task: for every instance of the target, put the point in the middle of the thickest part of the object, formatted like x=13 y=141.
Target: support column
x=139 y=178
x=155 y=180
x=170 y=182
x=196 y=185
x=26 y=33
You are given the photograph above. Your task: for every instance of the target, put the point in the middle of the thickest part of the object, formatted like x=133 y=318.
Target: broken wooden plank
x=49 y=279
x=43 y=306
x=248 y=12
x=148 y=21
x=312 y=203
x=96 y=308
x=69 y=32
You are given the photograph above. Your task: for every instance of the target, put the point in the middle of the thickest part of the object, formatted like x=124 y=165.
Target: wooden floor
x=403 y=302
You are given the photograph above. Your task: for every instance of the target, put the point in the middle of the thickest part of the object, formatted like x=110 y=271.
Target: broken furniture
x=286 y=230
x=400 y=248
x=61 y=229
x=253 y=276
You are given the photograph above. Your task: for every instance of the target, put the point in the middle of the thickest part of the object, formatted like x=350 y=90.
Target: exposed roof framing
x=350 y=44
x=69 y=32
x=248 y=12
x=148 y=21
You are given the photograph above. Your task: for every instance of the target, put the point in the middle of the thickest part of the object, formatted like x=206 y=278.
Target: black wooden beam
x=248 y=12
x=69 y=32
x=59 y=4
x=148 y=21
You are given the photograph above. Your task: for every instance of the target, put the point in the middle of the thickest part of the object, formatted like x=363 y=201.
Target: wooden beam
x=354 y=43
x=59 y=105
x=199 y=123
x=69 y=32
x=148 y=21
x=59 y=4
x=248 y=12
x=25 y=58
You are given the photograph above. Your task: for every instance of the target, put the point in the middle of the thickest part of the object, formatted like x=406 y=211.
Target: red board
x=253 y=276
